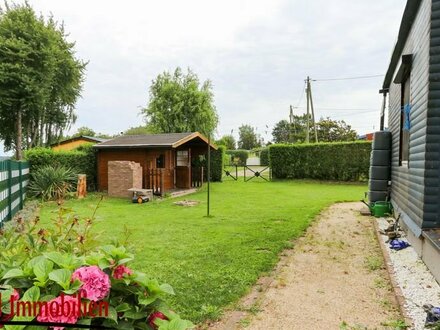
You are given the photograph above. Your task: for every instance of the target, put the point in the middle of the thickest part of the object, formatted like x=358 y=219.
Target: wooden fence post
x=162 y=179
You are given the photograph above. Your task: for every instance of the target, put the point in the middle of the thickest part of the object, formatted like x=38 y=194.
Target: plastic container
x=380 y=209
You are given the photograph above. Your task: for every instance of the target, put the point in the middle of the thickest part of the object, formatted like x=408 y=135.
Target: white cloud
x=257 y=54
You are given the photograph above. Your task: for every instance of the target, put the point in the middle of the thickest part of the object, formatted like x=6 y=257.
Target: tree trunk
x=19 y=136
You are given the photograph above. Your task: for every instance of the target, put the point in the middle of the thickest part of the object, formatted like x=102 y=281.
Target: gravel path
x=333 y=278
x=416 y=283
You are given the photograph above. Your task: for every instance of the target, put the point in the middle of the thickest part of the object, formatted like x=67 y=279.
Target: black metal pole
x=209 y=173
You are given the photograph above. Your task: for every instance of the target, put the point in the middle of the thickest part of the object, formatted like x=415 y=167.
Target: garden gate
x=14 y=178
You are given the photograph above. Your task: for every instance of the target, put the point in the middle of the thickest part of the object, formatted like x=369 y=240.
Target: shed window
x=160 y=161
x=182 y=158
x=405 y=124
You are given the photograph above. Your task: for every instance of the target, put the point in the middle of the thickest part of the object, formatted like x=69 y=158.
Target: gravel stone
x=417 y=284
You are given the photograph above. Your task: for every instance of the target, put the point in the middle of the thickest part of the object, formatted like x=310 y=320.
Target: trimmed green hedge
x=217 y=159
x=82 y=160
x=264 y=157
x=342 y=161
x=238 y=157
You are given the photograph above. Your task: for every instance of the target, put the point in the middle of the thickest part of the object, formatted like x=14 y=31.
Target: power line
x=345 y=109
x=350 y=78
x=302 y=95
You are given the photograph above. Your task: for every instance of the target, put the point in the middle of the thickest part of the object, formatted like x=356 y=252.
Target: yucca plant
x=52 y=182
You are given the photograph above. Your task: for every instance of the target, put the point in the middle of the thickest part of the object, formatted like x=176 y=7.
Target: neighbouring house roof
x=170 y=140
x=82 y=137
x=409 y=15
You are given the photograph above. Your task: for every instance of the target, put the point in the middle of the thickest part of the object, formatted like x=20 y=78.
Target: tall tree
x=286 y=132
x=335 y=131
x=248 y=138
x=139 y=130
x=228 y=141
x=84 y=131
x=40 y=79
x=180 y=103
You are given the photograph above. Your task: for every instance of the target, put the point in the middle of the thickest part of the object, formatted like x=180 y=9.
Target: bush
x=238 y=157
x=58 y=265
x=217 y=159
x=343 y=161
x=81 y=160
x=264 y=157
x=51 y=182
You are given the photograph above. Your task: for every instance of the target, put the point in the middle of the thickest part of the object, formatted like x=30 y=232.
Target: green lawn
x=211 y=262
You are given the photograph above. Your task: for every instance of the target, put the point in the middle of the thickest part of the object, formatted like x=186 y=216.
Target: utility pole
x=309 y=89
x=308 y=109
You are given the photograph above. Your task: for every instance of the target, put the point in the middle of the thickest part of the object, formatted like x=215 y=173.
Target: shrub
x=57 y=265
x=81 y=160
x=343 y=161
x=51 y=182
x=238 y=157
x=217 y=159
x=264 y=157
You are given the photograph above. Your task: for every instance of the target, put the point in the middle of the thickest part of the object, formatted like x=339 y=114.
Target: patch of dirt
x=186 y=203
x=333 y=278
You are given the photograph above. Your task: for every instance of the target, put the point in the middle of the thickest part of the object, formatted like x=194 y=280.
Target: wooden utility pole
x=308 y=109
x=309 y=89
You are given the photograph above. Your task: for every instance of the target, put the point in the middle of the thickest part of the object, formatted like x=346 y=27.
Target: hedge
x=342 y=161
x=217 y=158
x=264 y=157
x=238 y=157
x=82 y=160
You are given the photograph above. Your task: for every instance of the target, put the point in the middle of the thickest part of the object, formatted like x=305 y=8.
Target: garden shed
x=75 y=142
x=412 y=84
x=169 y=161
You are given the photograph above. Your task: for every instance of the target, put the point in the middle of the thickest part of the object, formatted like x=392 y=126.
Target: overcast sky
x=256 y=53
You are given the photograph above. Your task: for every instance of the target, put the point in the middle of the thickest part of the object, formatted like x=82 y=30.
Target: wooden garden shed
x=169 y=161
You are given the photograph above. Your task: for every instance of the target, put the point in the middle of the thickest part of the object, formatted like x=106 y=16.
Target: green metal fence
x=14 y=177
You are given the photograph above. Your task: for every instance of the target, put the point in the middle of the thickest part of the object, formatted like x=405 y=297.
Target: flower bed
x=54 y=277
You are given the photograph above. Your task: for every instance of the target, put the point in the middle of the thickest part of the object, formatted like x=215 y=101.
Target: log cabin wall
x=147 y=158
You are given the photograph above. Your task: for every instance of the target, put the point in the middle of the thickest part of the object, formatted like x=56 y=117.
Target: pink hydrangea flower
x=7 y=317
x=63 y=309
x=95 y=283
x=121 y=271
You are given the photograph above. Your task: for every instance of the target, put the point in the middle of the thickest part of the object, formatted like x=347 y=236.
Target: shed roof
x=409 y=15
x=82 y=137
x=171 y=140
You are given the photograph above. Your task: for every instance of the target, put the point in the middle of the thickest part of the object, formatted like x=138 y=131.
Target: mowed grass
x=212 y=262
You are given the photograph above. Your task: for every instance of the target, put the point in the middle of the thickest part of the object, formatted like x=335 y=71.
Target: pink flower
x=15 y=296
x=63 y=309
x=95 y=283
x=121 y=271
x=153 y=317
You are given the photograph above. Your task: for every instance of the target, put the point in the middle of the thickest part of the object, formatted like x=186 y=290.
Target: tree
x=248 y=138
x=335 y=130
x=295 y=132
x=140 y=130
x=84 y=131
x=228 y=141
x=40 y=79
x=179 y=103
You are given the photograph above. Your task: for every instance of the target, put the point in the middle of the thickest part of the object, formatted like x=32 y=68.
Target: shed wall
x=432 y=169
x=408 y=192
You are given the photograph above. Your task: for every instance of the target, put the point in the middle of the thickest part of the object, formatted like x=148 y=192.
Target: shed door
x=183 y=169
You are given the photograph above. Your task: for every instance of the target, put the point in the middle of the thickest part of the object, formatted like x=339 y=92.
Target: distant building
x=75 y=142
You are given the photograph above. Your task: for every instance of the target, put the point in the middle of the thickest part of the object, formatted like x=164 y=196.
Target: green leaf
x=135 y=315
x=175 y=324
x=13 y=273
x=42 y=269
x=103 y=263
x=167 y=288
x=112 y=314
x=73 y=287
x=123 y=307
x=31 y=294
x=61 y=277
x=57 y=258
